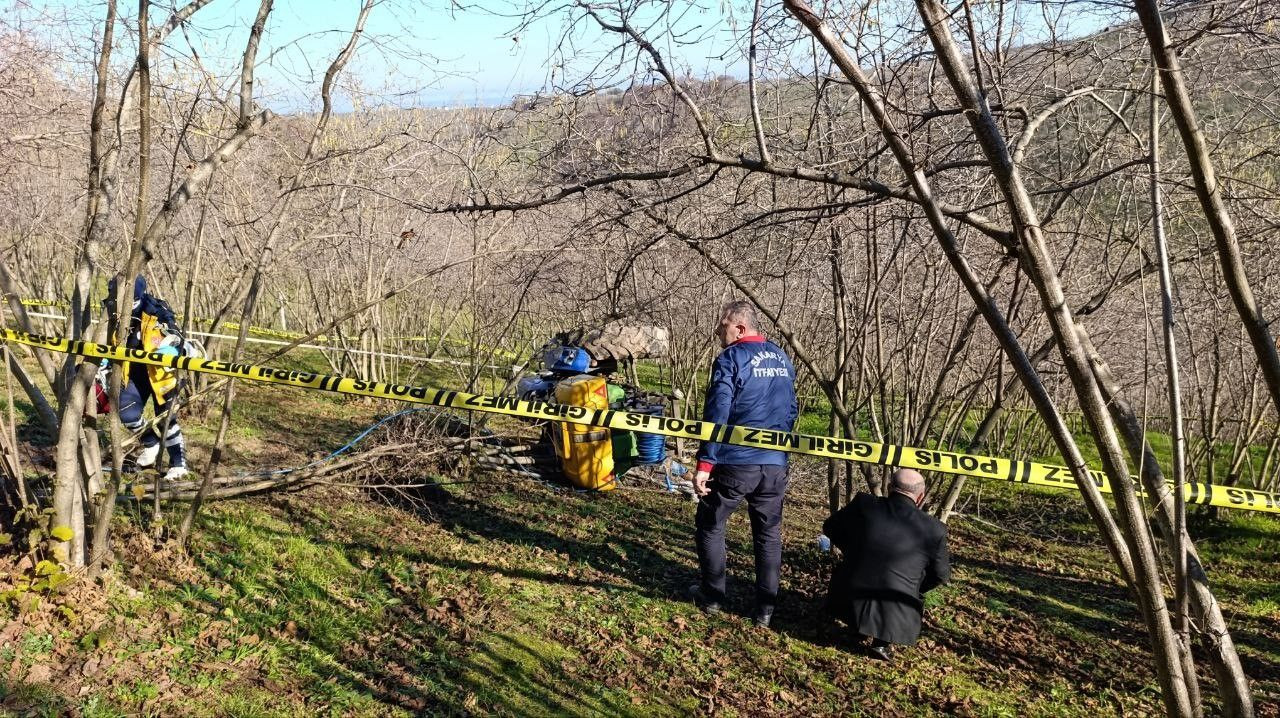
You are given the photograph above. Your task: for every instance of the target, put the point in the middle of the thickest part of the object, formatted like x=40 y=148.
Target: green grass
x=519 y=599
x=514 y=598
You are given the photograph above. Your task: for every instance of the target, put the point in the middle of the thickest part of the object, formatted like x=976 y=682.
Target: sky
x=436 y=53
x=462 y=56
x=483 y=55
x=443 y=53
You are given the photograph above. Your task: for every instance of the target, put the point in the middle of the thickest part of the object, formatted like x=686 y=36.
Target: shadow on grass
x=421 y=631
x=392 y=644
x=1252 y=633
x=1241 y=535
x=628 y=550
x=628 y=556
x=1045 y=626
x=526 y=676
x=31 y=431
x=1088 y=623
x=336 y=639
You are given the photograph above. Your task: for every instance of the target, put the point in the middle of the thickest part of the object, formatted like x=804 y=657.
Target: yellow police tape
x=43 y=303
x=947 y=462
x=265 y=331
x=281 y=333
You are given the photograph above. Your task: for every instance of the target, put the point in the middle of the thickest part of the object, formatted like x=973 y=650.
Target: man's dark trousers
x=763 y=486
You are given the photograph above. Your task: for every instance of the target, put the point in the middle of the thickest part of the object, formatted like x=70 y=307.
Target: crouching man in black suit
x=893 y=554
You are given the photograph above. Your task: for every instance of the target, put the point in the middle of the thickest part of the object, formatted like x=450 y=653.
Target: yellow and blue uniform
x=147 y=324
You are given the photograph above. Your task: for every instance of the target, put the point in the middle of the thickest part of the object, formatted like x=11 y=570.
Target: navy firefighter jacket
x=752 y=384
x=143 y=303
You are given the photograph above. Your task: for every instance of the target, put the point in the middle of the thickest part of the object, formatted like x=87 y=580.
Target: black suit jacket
x=893 y=554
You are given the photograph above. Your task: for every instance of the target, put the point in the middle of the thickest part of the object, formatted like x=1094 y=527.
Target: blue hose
x=650 y=448
x=345 y=448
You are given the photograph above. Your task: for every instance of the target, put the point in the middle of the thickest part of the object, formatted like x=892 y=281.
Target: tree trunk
x=1233 y=684
x=1140 y=556
x=1178 y=544
x=268 y=245
x=1209 y=192
x=76 y=382
x=946 y=239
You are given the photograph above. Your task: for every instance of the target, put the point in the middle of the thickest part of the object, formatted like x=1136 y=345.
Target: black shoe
x=880 y=651
x=764 y=616
x=701 y=601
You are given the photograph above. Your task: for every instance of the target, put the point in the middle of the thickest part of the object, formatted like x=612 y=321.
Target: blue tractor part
x=567 y=359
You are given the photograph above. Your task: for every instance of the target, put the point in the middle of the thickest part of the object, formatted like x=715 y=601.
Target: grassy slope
x=518 y=598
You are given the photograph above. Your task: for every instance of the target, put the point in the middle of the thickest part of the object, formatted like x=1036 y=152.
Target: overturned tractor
x=583 y=368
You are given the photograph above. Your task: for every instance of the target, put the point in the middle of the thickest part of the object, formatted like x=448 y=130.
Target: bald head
x=909 y=482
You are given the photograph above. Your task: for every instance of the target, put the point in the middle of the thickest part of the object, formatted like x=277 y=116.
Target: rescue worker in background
x=752 y=384
x=893 y=554
x=151 y=327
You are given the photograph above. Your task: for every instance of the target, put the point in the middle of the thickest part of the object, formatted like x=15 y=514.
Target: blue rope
x=376 y=425
x=346 y=447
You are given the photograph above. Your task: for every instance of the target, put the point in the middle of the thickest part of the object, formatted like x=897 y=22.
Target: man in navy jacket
x=752 y=384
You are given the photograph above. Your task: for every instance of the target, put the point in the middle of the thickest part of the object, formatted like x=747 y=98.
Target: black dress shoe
x=764 y=616
x=701 y=601
x=880 y=651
